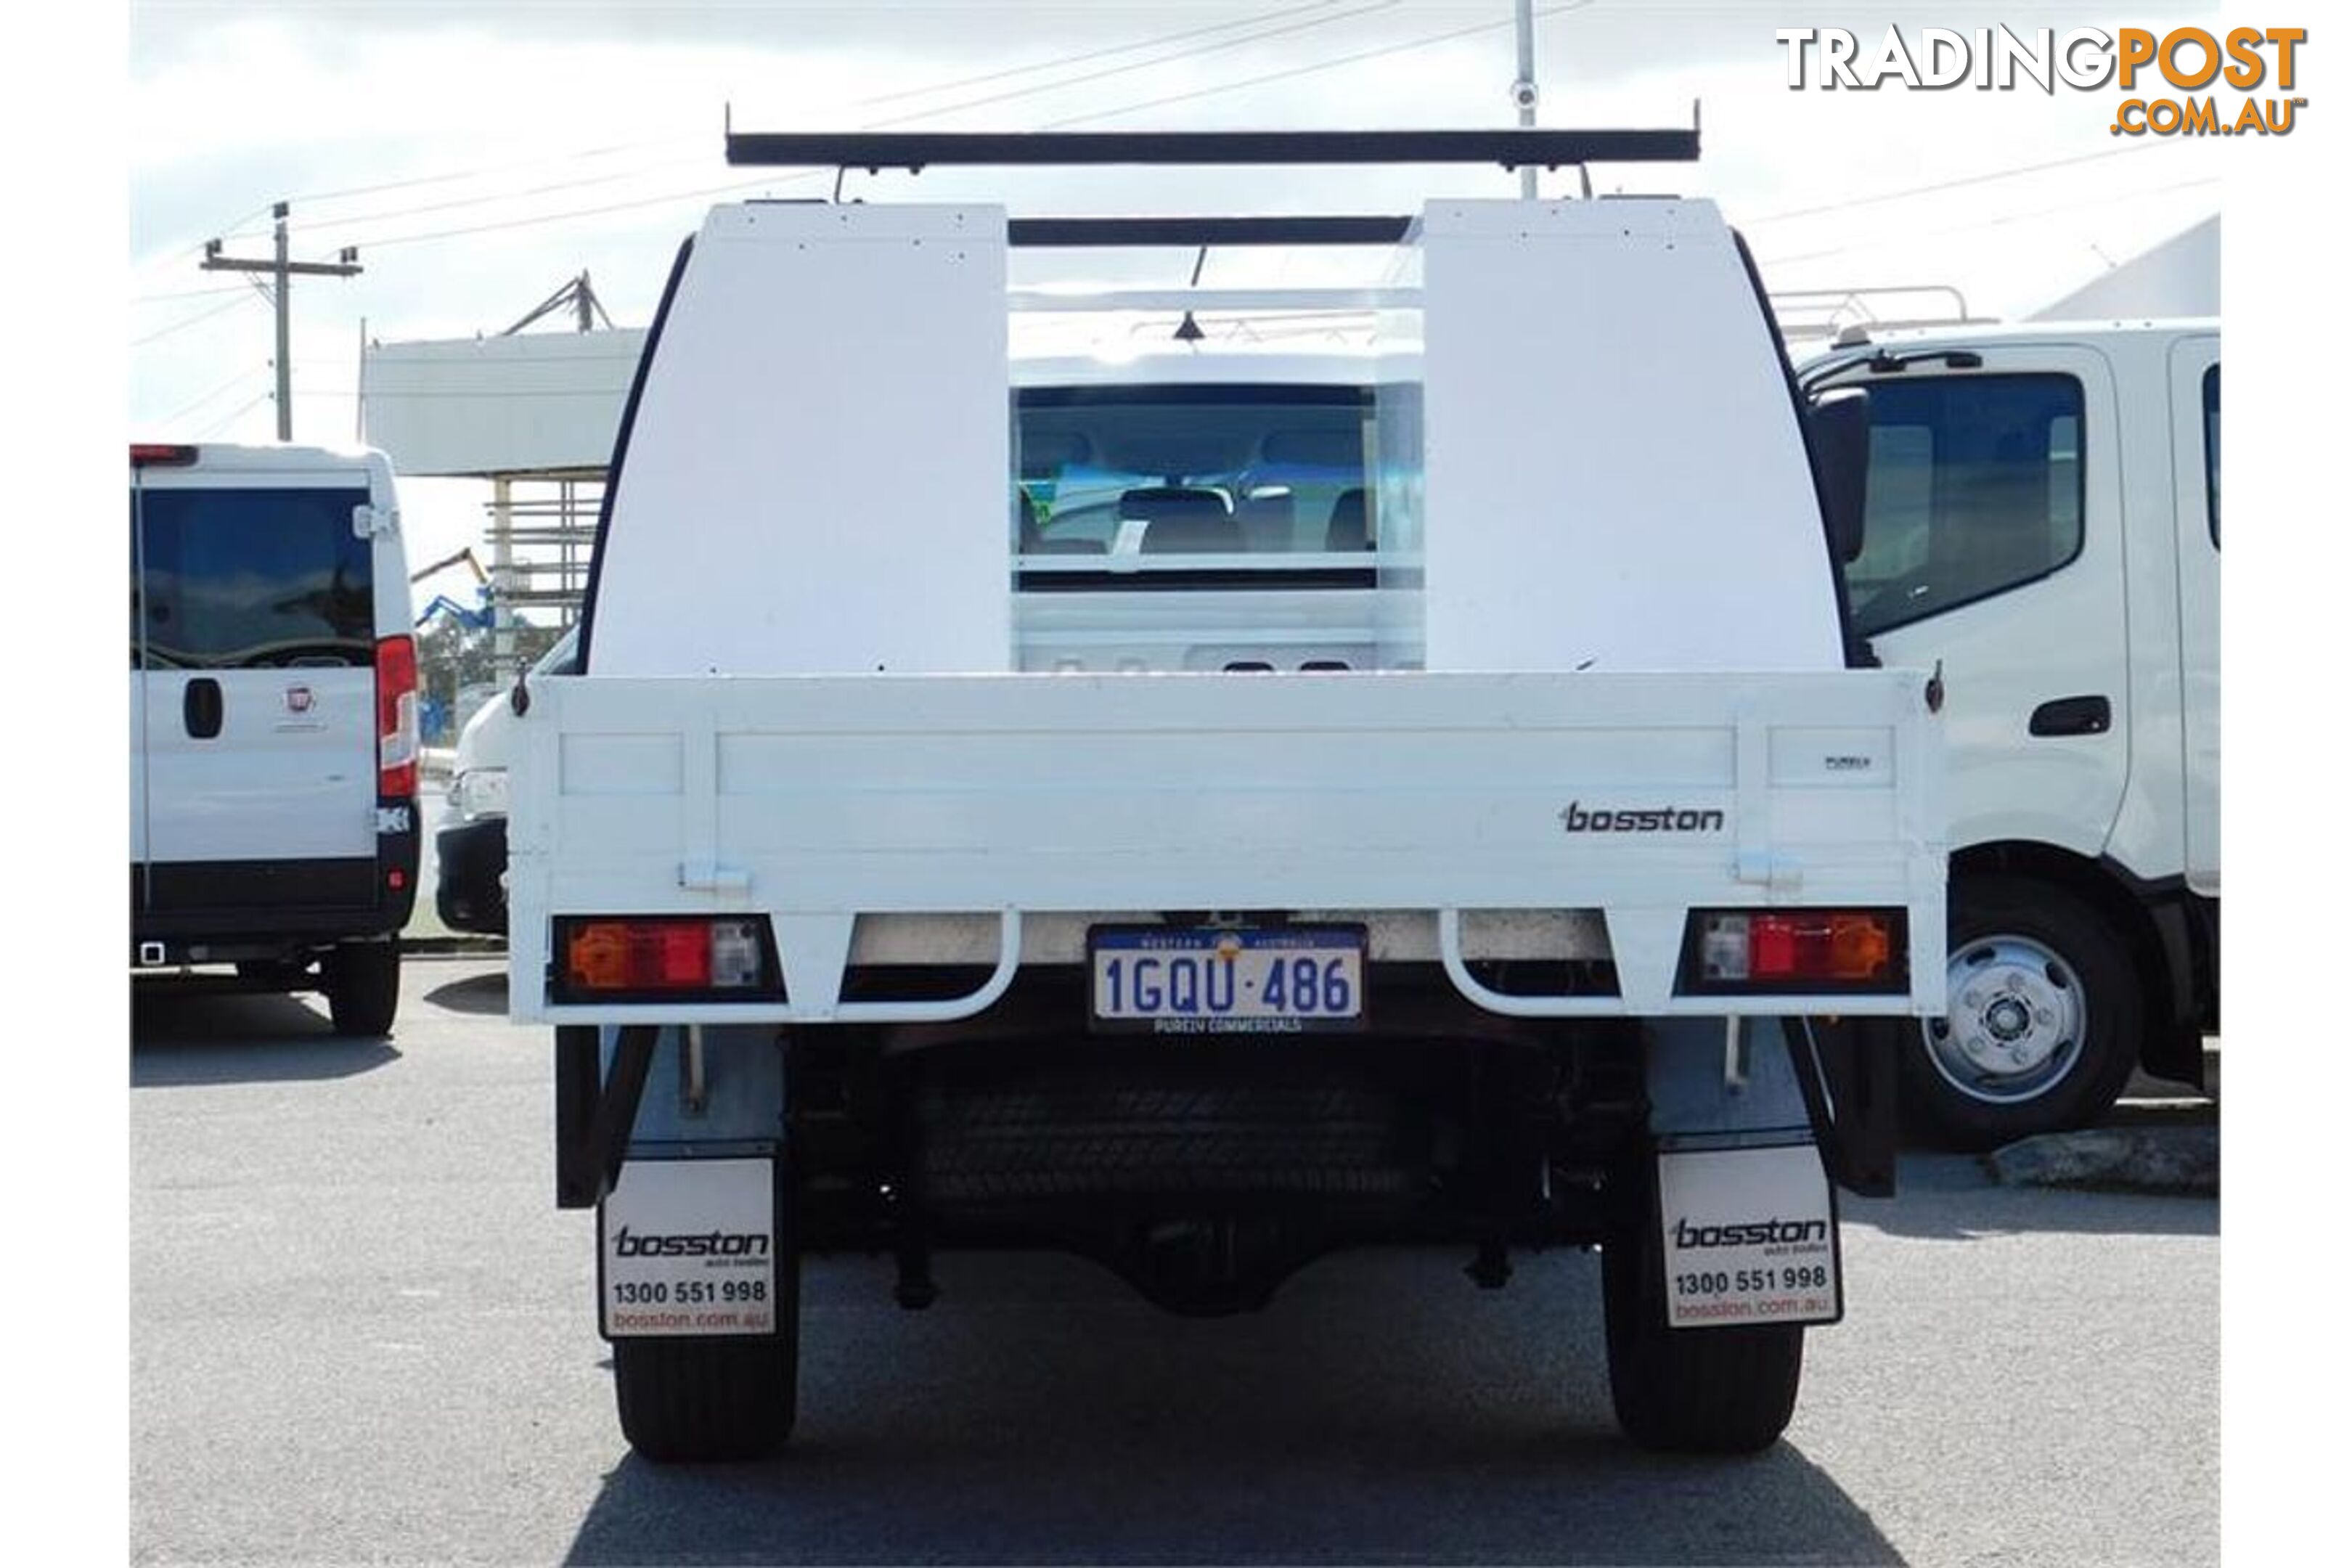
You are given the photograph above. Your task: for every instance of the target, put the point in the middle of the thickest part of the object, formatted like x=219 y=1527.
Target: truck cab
x=2044 y=522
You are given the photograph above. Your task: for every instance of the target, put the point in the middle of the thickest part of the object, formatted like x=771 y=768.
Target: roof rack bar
x=1063 y=232
x=918 y=150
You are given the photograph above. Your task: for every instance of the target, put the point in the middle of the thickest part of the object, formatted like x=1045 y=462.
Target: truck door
x=2196 y=381
x=258 y=632
x=1995 y=545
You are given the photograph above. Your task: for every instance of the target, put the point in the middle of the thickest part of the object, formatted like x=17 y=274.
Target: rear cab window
x=243 y=578
x=1975 y=488
x=1265 y=481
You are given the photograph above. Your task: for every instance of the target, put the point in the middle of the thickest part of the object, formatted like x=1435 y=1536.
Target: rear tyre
x=364 y=987
x=693 y=1402
x=1687 y=1391
x=2044 y=1025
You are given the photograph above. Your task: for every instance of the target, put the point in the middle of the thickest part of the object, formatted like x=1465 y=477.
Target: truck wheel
x=2043 y=1022
x=364 y=987
x=1687 y=1391
x=686 y=1401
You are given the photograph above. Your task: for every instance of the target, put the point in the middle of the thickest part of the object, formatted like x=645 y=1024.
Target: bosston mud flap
x=1748 y=1236
x=689 y=1248
x=1746 y=1214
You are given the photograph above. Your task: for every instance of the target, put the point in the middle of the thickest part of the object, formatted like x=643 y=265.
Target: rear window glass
x=234 y=579
x=1262 y=475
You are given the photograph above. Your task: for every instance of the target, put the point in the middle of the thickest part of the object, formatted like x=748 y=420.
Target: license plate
x=1167 y=980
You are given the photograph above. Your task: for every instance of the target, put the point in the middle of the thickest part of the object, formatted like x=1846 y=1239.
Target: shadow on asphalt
x=478 y=993
x=1952 y=1197
x=1363 y=1417
x=182 y=1036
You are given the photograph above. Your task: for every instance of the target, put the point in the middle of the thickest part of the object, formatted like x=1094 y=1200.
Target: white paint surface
x=1614 y=475
x=818 y=478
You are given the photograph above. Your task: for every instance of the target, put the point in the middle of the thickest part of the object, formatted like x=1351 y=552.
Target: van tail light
x=160 y=455
x=1797 y=950
x=395 y=717
x=666 y=956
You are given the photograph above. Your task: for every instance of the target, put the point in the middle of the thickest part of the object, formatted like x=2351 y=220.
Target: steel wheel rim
x=2016 y=1024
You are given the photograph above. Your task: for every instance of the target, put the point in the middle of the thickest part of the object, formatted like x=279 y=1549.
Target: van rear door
x=257 y=642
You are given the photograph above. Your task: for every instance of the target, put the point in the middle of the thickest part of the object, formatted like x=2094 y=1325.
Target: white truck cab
x=1431 y=798
x=2044 y=523
x=273 y=720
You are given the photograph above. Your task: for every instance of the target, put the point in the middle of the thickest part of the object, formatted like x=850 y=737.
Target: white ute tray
x=1417 y=799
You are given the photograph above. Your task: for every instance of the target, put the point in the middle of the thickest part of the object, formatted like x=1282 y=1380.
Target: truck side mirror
x=1838 y=428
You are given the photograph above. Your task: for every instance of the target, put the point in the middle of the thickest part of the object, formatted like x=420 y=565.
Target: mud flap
x=691 y=1249
x=1846 y=1069
x=1748 y=1235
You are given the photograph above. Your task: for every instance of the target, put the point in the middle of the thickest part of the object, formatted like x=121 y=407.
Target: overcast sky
x=479 y=154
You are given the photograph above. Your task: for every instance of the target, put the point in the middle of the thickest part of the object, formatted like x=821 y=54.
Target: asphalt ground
x=361 y=1330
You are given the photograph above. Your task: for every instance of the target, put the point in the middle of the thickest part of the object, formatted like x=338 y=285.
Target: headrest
x=1349 y=526
x=1195 y=521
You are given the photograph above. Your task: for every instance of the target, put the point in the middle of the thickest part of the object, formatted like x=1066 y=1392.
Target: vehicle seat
x=1350 y=525
x=1183 y=520
x=1033 y=540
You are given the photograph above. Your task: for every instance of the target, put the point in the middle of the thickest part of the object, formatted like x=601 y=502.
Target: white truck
x=2045 y=522
x=1436 y=803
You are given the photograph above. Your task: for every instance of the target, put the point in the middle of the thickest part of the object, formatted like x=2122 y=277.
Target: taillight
x=396 y=716
x=1769 y=949
x=660 y=953
x=159 y=455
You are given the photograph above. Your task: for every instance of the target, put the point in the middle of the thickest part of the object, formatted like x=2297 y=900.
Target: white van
x=273 y=720
x=2045 y=522
x=470 y=852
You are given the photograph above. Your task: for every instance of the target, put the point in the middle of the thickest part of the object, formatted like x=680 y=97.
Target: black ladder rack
x=918 y=150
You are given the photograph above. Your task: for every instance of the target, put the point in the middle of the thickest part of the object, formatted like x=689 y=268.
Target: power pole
x=1523 y=89
x=345 y=265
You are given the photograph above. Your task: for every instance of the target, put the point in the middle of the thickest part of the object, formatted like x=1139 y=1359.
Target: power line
x=343 y=223
x=174 y=418
x=183 y=252
x=959 y=83
x=1094 y=54
x=734 y=187
x=234 y=414
x=186 y=294
x=1139 y=65
x=665 y=200
x=203 y=315
x=1396 y=48
x=738 y=187
x=1989 y=223
x=1965 y=180
x=331 y=196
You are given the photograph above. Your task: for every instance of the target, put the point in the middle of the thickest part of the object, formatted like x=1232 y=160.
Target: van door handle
x=200 y=708
x=2072 y=715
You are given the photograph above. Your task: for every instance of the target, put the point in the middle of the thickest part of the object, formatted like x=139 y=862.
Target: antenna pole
x=1523 y=89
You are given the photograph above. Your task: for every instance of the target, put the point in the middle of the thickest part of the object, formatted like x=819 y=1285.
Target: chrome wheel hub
x=2016 y=1024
